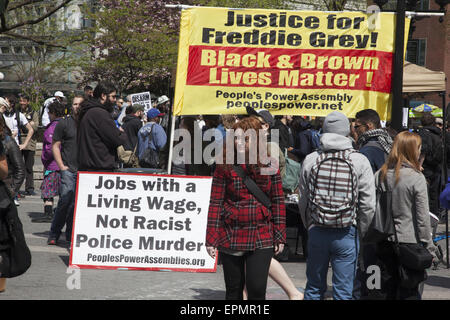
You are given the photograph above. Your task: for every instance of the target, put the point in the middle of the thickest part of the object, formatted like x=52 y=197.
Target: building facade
x=24 y=59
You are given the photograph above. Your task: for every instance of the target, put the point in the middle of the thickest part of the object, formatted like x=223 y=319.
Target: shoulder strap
x=253 y=187
x=19 y=135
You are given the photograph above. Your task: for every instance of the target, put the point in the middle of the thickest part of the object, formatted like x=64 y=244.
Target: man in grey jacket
x=338 y=245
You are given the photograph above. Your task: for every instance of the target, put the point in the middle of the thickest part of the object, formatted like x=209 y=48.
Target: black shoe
x=30 y=193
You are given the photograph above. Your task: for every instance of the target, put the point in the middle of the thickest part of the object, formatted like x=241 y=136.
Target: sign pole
x=397 y=67
x=172 y=130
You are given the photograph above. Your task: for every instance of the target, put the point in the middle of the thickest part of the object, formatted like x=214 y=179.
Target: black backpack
x=431 y=148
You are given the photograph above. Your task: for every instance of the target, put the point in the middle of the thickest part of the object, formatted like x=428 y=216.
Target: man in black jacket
x=286 y=139
x=132 y=123
x=432 y=159
x=98 y=136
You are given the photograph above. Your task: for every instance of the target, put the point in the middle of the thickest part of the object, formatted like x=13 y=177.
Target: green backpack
x=292 y=175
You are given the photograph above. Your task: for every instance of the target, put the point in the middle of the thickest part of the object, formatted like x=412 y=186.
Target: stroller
x=434 y=220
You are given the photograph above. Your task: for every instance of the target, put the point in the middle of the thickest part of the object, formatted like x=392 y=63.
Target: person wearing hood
x=285 y=134
x=302 y=138
x=132 y=123
x=335 y=238
x=152 y=135
x=98 y=137
x=431 y=155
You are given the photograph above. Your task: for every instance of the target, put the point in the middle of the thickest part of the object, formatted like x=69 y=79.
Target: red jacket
x=237 y=220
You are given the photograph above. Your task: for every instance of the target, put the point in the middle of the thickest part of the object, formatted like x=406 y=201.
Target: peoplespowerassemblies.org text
x=105 y=258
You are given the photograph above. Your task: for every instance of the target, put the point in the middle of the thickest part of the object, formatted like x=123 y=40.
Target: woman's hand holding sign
x=212 y=251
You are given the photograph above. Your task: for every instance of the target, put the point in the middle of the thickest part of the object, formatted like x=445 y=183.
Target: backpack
x=431 y=148
x=315 y=139
x=333 y=189
x=149 y=158
x=291 y=177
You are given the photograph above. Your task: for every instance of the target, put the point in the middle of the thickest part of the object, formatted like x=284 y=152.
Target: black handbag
x=381 y=226
x=413 y=259
x=15 y=256
x=414 y=256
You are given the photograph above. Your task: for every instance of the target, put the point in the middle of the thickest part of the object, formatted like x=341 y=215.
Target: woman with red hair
x=244 y=231
x=402 y=174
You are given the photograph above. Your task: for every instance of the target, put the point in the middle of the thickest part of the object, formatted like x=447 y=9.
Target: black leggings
x=250 y=270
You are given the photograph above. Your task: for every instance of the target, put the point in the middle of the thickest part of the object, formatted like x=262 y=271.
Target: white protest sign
x=141 y=221
x=143 y=98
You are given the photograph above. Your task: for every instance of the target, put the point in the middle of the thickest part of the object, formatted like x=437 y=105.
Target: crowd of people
x=343 y=161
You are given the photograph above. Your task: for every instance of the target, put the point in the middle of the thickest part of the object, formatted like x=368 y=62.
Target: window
x=416 y=51
x=422 y=5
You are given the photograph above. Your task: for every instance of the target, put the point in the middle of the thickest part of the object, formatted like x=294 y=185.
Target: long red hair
x=248 y=123
x=405 y=150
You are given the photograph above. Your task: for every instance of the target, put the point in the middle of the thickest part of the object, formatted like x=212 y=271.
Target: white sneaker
x=16 y=202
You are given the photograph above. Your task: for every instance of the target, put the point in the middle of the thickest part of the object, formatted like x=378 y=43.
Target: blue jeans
x=66 y=205
x=338 y=246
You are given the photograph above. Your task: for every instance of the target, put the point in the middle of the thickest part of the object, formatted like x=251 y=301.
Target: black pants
x=250 y=270
x=390 y=280
x=28 y=157
x=368 y=257
x=434 y=188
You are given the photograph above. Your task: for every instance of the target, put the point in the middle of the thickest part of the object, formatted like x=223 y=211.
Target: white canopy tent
x=420 y=79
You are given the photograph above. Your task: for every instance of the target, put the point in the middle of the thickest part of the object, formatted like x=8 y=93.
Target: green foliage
x=257 y=4
x=35 y=91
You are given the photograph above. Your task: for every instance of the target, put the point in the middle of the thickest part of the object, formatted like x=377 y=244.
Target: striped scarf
x=382 y=136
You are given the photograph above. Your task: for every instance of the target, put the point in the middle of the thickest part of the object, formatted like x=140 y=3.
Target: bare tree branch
x=22 y=4
x=35 y=40
x=35 y=21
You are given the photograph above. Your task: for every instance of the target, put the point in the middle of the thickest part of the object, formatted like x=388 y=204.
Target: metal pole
x=397 y=68
x=444 y=164
x=172 y=130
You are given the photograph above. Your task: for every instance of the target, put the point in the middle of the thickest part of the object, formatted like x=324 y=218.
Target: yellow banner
x=307 y=63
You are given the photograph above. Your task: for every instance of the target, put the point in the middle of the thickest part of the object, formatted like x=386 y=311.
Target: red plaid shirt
x=237 y=220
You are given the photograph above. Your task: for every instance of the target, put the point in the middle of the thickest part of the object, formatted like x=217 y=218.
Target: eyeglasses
x=359 y=125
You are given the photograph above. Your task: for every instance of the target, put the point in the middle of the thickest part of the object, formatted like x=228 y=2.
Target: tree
x=330 y=5
x=18 y=19
x=134 y=43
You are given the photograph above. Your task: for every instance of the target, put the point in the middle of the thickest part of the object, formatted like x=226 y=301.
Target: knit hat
x=336 y=122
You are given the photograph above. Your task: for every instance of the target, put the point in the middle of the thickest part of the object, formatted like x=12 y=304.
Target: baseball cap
x=153 y=113
x=162 y=99
x=59 y=94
